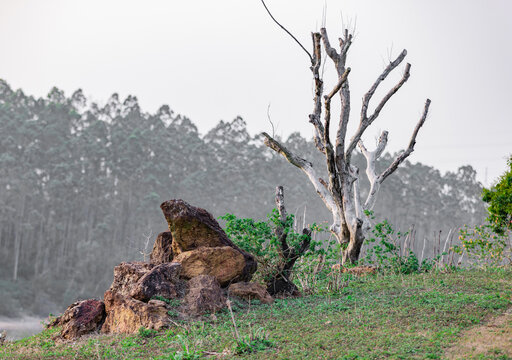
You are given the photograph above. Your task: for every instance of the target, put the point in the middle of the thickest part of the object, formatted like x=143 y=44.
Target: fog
x=19 y=328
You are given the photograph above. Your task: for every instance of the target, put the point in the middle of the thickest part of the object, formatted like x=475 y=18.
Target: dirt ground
x=492 y=340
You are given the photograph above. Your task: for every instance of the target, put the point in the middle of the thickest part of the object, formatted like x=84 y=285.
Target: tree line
x=81 y=184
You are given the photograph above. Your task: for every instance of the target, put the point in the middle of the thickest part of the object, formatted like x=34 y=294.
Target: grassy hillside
x=419 y=316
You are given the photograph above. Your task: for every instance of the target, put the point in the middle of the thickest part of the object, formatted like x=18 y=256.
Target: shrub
x=259 y=238
x=385 y=252
x=484 y=246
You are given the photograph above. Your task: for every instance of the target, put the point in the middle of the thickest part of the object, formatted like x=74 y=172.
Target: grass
x=415 y=316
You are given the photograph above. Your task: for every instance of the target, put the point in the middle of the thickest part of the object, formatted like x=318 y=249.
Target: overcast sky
x=213 y=60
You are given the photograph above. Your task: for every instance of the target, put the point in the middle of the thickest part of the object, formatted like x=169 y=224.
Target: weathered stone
x=126 y=276
x=126 y=315
x=250 y=291
x=225 y=263
x=162 y=249
x=204 y=295
x=162 y=280
x=157 y=302
x=193 y=227
x=80 y=318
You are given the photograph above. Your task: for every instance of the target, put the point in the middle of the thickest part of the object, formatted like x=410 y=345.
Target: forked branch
x=400 y=158
x=366 y=120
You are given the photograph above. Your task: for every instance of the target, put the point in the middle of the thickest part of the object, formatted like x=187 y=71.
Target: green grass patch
x=414 y=316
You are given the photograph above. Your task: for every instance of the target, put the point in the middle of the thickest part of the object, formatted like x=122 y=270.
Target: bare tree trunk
x=280 y=283
x=17 y=239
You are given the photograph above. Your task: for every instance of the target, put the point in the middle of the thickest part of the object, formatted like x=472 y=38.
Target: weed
x=257 y=340
x=146 y=333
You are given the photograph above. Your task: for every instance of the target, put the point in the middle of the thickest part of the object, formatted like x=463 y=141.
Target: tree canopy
x=499 y=198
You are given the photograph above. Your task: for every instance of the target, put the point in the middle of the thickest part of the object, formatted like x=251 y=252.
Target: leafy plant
x=171 y=302
x=146 y=333
x=259 y=238
x=257 y=340
x=186 y=353
x=385 y=251
x=485 y=246
x=499 y=198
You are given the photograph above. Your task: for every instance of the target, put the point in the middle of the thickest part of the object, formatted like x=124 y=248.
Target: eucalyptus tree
x=341 y=191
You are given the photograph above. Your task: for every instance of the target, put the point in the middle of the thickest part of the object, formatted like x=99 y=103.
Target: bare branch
x=333 y=54
x=391 y=92
x=368 y=96
x=280 y=203
x=270 y=121
x=334 y=179
x=279 y=231
x=345 y=43
x=277 y=147
x=371 y=162
x=314 y=118
x=341 y=81
x=289 y=33
x=366 y=121
x=306 y=167
x=410 y=148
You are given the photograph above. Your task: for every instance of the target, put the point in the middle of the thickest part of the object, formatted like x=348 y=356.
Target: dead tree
x=340 y=192
x=280 y=283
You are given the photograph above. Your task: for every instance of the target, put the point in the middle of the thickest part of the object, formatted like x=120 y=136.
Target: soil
x=493 y=340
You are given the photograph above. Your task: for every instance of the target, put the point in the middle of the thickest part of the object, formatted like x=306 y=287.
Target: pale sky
x=213 y=60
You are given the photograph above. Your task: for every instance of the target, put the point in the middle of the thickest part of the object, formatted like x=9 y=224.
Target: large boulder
x=193 y=228
x=162 y=249
x=80 y=318
x=204 y=295
x=250 y=291
x=126 y=276
x=225 y=263
x=163 y=280
x=127 y=315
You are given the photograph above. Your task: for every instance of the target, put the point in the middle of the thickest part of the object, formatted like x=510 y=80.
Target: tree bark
x=280 y=283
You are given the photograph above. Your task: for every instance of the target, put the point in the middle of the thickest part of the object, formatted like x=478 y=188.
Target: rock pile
x=194 y=264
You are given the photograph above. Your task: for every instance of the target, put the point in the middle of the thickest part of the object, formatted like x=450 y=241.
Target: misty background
x=82 y=173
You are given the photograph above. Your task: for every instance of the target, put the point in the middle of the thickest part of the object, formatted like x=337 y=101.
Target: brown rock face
x=251 y=291
x=126 y=276
x=194 y=228
x=204 y=295
x=80 y=318
x=225 y=263
x=126 y=315
x=162 y=280
x=162 y=249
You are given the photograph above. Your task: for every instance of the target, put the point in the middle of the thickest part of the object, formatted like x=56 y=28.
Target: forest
x=81 y=184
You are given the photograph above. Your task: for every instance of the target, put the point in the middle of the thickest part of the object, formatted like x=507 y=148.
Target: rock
x=162 y=249
x=127 y=315
x=157 y=303
x=80 y=318
x=225 y=263
x=126 y=276
x=250 y=291
x=356 y=270
x=162 y=280
x=193 y=227
x=204 y=295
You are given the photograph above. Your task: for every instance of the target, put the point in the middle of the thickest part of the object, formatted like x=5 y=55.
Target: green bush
x=259 y=239
x=384 y=252
x=484 y=246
